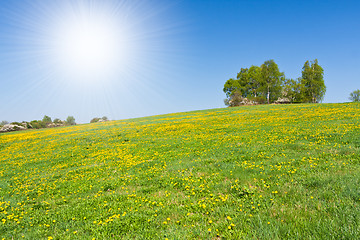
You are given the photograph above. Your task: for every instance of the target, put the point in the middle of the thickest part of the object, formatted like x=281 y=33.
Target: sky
x=126 y=59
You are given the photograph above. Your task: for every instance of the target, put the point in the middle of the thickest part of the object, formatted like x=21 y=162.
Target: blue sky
x=178 y=54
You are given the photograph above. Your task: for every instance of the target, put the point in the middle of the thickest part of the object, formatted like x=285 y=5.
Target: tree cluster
x=266 y=84
x=46 y=122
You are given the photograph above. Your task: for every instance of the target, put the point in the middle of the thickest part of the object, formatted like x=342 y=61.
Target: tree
x=355 y=96
x=105 y=118
x=271 y=79
x=292 y=90
x=70 y=120
x=254 y=81
x=231 y=86
x=312 y=80
x=46 y=119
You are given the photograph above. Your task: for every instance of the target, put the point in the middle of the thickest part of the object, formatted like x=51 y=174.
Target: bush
x=57 y=121
x=258 y=100
x=236 y=99
x=38 y=124
x=70 y=120
x=94 y=120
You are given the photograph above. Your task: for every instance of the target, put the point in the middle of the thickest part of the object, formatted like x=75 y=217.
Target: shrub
x=70 y=120
x=258 y=100
x=37 y=124
x=94 y=120
x=57 y=121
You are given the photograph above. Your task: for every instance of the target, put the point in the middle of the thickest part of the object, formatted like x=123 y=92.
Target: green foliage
x=70 y=120
x=94 y=120
x=16 y=123
x=46 y=119
x=256 y=83
x=355 y=96
x=231 y=86
x=312 y=80
x=293 y=90
x=235 y=99
x=258 y=99
x=271 y=80
x=57 y=121
x=38 y=124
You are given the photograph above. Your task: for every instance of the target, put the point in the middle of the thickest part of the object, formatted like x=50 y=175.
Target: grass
x=257 y=172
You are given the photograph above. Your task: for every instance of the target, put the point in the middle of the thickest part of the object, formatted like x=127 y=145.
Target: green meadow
x=252 y=172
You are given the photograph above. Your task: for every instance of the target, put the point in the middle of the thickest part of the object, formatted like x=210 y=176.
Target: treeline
x=266 y=84
x=46 y=122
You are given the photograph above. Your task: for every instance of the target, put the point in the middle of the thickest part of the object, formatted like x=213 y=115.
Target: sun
x=88 y=45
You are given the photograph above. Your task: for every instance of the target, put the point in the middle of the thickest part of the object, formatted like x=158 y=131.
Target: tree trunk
x=268 y=95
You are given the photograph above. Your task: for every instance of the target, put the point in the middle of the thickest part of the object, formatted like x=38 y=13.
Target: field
x=257 y=172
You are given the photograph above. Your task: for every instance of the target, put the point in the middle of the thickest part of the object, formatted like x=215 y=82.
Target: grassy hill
x=258 y=172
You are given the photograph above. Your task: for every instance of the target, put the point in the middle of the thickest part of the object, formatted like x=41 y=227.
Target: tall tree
x=231 y=86
x=312 y=80
x=271 y=79
x=239 y=85
x=254 y=80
